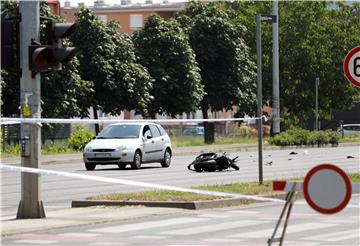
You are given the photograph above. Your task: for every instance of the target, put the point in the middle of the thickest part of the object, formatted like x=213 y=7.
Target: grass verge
x=251 y=188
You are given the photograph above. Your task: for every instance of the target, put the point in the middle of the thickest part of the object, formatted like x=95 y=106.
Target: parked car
x=129 y=143
x=193 y=131
x=352 y=130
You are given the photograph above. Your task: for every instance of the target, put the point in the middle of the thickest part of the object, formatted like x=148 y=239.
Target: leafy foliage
x=107 y=59
x=171 y=62
x=79 y=138
x=62 y=92
x=227 y=72
x=314 y=40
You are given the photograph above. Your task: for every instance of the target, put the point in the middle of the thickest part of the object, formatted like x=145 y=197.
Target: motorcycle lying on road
x=211 y=162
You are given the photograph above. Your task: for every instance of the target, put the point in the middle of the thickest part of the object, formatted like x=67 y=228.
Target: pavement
x=80 y=216
x=178 y=151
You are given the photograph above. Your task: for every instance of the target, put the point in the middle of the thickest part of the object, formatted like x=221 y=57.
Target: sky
x=74 y=3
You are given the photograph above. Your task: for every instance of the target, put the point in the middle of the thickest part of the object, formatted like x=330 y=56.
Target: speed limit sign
x=352 y=66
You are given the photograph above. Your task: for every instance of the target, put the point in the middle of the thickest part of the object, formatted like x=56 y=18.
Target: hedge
x=299 y=136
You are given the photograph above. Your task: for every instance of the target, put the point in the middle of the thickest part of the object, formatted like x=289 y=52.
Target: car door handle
x=153 y=141
x=162 y=139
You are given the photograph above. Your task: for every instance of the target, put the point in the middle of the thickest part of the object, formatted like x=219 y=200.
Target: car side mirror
x=148 y=137
x=93 y=137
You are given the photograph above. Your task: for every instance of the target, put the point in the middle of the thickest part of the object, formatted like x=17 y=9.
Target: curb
x=195 y=205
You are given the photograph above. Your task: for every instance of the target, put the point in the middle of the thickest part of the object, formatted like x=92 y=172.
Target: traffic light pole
x=30 y=205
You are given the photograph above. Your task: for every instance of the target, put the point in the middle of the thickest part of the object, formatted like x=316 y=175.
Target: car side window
x=162 y=131
x=154 y=131
x=146 y=131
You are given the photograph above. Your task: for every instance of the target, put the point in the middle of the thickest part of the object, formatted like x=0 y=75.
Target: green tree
x=62 y=92
x=314 y=40
x=107 y=59
x=224 y=59
x=163 y=48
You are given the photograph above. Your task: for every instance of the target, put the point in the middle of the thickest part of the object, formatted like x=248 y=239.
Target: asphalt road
x=246 y=225
x=59 y=191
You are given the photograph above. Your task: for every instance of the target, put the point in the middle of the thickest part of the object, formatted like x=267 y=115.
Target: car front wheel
x=90 y=166
x=167 y=159
x=137 y=160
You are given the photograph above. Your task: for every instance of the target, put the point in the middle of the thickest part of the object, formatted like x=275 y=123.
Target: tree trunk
x=97 y=129
x=209 y=127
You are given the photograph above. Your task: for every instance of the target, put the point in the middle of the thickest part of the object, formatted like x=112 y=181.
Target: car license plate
x=103 y=155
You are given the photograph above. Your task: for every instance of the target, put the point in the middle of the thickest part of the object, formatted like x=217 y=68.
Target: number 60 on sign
x=352 y=66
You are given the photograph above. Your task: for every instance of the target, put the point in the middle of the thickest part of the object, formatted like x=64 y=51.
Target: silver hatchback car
x=129 y=143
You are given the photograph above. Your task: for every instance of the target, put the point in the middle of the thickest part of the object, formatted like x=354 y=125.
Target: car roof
x=351 y=125
x=133 y=123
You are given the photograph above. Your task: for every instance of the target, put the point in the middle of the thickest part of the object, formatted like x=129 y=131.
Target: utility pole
x=259 y=95
x=317 y=104
x=268 y=19
x=276 y=94
x=30 y=205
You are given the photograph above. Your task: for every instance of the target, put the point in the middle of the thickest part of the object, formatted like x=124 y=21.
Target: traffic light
x=41 y=57
x=51 y=55
x=10 y=43
x=54 y=33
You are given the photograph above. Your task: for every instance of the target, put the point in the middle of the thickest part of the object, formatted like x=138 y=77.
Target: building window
x=103 y=18
x=136 y=22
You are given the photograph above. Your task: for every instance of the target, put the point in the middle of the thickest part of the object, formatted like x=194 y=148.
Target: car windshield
x=120 y=131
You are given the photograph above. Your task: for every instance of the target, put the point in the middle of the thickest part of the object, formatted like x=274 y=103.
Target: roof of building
x=135 y=7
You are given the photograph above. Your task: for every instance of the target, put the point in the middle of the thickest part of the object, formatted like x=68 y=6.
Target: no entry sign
x=327 y=188
x=352 y=66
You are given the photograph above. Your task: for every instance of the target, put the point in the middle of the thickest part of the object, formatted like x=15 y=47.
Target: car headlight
x=87 y=149
x=121 y=148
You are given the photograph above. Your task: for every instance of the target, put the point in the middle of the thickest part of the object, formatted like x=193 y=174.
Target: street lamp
x=269 y=19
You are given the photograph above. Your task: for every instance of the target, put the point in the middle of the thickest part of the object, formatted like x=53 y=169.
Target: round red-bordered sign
x=327 y=189
x=352 y=65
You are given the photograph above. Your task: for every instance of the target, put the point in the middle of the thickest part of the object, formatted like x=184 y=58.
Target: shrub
x=79 y=138
x=298 y=136
x=245 y=131
x=282 y=139
x=333 y=137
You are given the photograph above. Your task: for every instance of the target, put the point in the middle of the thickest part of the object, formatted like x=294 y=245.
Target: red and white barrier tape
x=135 y=183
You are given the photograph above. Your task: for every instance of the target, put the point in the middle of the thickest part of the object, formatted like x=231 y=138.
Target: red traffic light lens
x=42 y=57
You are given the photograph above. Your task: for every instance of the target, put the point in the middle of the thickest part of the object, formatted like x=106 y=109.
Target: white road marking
x=214 y=216
x=335 y=236
x=149 y=237
x=69 y=234
x=212 y=227
x=146 y=225
x=290 y=229
x=35 y=241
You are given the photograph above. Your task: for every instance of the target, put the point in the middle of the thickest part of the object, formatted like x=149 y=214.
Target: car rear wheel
x=137 y=160
x=167 y=159
x=90 y=166
x=122 y=166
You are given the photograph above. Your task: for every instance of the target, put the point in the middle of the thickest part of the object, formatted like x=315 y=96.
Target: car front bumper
x=103 y=158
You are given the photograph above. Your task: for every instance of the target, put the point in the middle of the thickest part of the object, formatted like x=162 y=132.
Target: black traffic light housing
x=51 y=55
x=54 y=33
x=10 y=44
